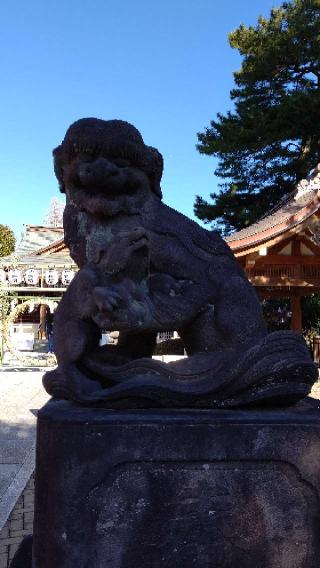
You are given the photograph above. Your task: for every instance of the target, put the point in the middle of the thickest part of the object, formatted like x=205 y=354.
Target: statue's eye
x=121 y=162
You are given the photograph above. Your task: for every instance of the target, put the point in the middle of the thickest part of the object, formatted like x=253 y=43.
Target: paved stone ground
x=21 y=395
x=18 y=525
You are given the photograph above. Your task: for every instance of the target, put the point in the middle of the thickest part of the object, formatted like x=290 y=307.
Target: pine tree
x=271 y=139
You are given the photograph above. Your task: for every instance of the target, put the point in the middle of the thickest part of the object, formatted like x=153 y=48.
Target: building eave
x=250 y=243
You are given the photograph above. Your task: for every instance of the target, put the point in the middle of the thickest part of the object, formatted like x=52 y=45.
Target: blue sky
x=166 y=66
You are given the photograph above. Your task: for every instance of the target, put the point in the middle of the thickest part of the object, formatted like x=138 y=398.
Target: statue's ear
x=155 y=169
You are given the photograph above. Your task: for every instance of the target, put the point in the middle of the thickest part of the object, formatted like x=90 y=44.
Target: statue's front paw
x=125 y=243
x=165 y=284
x=135 y=238
x=106 y=299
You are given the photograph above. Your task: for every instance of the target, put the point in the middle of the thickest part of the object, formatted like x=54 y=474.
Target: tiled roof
x=34 y=248
x=292 y=210
x=36 y=237
x=57 y=246
x=36 y=261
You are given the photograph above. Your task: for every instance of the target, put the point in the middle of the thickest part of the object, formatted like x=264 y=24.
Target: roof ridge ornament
x=311 y=183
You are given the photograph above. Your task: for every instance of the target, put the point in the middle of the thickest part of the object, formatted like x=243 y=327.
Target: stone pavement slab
x=21 y=395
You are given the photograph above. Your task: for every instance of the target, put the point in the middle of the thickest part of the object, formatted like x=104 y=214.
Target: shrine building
x=34 y=278
x=281 y=252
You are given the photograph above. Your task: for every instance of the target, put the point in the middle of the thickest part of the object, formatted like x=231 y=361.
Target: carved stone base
x=177 y=489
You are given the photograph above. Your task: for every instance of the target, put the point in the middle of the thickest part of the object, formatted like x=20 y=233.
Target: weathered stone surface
x=177 y=489
x=145 y=268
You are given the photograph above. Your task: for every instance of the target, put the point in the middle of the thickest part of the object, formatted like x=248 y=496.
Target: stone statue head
x=104 y=167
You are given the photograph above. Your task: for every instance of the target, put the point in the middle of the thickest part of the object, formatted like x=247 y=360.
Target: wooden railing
x=284 y=274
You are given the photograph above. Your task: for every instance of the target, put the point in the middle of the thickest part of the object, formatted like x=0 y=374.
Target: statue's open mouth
x=111 y=189
x=101 y=195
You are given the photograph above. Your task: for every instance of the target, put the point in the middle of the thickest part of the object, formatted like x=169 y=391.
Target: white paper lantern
x=52 y=307
x=3 y=276
x=67 y=275
x=51 y=276
x=15 y=276
x=31 y=307
x=32 y=277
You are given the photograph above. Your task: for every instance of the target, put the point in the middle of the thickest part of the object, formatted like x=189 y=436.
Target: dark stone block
x=177 y=489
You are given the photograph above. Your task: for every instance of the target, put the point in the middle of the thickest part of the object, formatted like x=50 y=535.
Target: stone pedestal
x=177 y=489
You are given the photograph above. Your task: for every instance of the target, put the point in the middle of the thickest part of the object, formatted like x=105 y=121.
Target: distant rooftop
x=36 y=237
x=292 y=210
x=40 y=245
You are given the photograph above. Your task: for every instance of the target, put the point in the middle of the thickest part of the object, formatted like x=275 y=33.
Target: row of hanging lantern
x=31 y=277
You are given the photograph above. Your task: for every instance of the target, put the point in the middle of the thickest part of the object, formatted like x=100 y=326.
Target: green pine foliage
x=7 y=240
x=271 y=139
